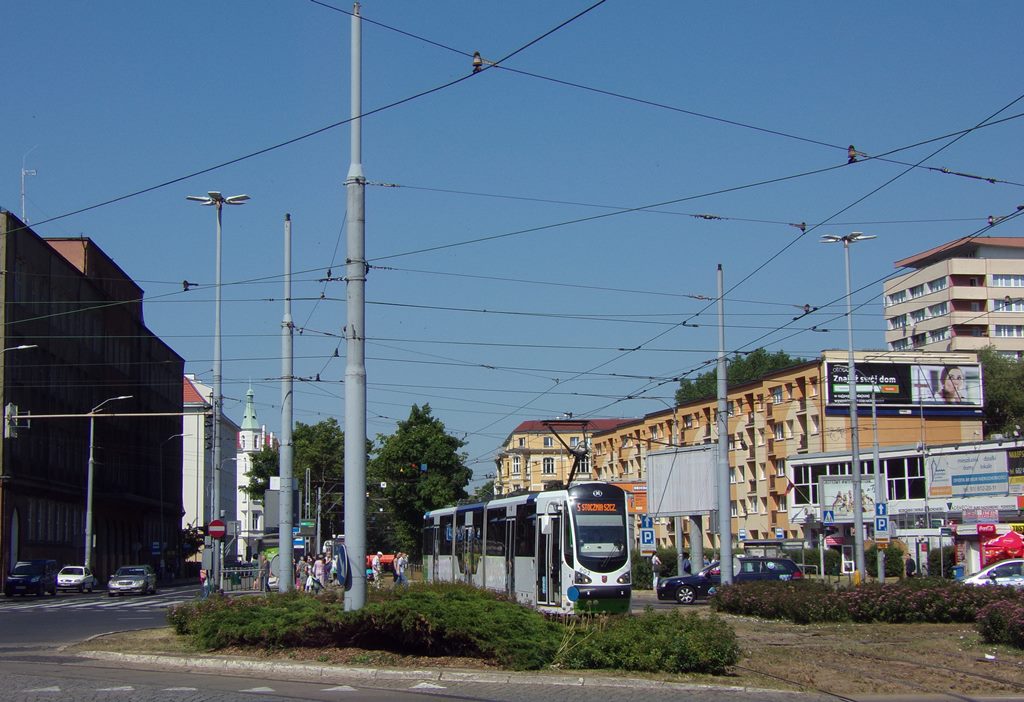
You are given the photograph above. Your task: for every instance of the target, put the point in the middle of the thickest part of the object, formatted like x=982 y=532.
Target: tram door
x=510 y=556
x=549 y=557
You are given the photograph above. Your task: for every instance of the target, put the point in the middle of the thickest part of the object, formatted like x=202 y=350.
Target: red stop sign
x=216 y=529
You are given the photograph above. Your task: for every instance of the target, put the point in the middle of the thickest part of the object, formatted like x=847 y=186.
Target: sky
x=543 y=236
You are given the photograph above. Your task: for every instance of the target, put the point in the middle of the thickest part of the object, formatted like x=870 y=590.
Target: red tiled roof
x=190 y=395
x=592 y=425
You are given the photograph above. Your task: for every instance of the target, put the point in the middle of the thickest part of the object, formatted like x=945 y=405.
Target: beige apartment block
x=961 y=296
x=538 y=453
x=789 y=413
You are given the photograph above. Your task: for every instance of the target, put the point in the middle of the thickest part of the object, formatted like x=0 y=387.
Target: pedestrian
x=319 y=572
x=911 y=566
x=655 y=569
x=400 y=564
x=375 y=567
x=687 y=566
x=204 y=584
x=264 y=573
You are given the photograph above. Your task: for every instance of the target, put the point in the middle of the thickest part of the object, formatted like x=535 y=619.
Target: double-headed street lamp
x=851 y=384
x=88 y=485
x=215 y=199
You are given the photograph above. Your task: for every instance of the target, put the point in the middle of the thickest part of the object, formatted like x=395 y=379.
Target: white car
x=1008 y=572
x=76 y=578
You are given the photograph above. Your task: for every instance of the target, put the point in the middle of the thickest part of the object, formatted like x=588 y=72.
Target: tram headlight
x=581 y=578
x=624 y=579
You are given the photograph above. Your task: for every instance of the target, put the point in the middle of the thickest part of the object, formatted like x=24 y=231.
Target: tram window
x=567 y=543
x=428 y=539
x=496 y=532
x=526 y=529
x=446 y=535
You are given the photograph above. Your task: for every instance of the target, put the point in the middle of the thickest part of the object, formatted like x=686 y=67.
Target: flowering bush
x=1002 y=623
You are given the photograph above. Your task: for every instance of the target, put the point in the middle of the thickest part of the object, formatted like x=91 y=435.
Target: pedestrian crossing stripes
x=138 y=603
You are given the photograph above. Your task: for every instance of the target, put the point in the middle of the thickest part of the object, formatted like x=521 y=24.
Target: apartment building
x=540 y=452
x=961 y=296
x=795 y=411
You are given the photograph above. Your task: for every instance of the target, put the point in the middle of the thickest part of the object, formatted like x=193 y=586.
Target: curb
x=337 y=674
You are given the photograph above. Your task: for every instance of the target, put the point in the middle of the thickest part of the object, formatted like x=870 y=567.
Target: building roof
x=191 y=394
x=249 y=422
x=964 y=247
x=592 y=425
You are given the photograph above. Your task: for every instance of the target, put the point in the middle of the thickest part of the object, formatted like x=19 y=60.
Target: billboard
x=835 y=493
x=906 y=384
x=682 y=480
x=968 y=474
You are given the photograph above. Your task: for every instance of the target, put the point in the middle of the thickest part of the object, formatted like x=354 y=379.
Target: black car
x=36 y=577
x=687 y=589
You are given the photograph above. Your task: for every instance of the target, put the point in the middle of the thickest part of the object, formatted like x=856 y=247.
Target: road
x=34 y=666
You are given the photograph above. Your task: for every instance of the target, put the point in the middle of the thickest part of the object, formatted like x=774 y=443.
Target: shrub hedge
x=998 y=611
x=458 y=620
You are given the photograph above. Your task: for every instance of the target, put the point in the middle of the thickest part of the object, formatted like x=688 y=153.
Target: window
x=938 y=310
x=1008 y=305
x=688 y=422
x=917 y=291
x=943 y=334
x=760 y=472
x=900 y=345
x=584 y=464
x=548 y=442
x=1009 y=330
x=779 y=432
x=1003 y=280
x=898 y=322
x=625 y=442
x=919 y=315
x=777 y=395
x=896 y=298
x=937 y=284
x=654 y=431
x=574 y=441
x=783 y=503
x=522 y=442
x=549 y=466
x=515 y=465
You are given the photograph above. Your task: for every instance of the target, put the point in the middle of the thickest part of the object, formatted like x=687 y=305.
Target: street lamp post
x=851 y=384
x=89 y=479
x=163 y=542
x=215 y=199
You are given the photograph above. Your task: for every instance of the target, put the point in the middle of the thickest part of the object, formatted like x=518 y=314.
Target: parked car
x=687 y=589
x=140 y=579
x=1008 y=572
x=76 y=577
x=32 y=577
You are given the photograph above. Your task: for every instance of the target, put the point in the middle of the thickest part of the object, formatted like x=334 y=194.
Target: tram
x=561 y=551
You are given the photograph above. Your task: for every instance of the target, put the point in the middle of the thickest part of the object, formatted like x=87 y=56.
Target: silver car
x=1008 y=572
x=139 y=579
x=76 y=577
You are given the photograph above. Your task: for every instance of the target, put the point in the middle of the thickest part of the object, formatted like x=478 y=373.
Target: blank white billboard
x=682 y=481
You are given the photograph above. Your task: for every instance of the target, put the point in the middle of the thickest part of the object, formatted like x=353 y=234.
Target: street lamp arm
x=96 y=409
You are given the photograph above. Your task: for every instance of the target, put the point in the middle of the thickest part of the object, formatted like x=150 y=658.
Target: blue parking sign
x=646 y=537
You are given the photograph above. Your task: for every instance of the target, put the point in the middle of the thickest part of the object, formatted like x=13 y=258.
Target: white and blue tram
x=561 y=551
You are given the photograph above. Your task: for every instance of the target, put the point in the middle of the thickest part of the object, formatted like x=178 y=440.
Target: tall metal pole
x=881 y=486
x=88 y=493
x=355 y=334
x=724 y=502
x=217 y=390
x=851 y=383
x=286 y=548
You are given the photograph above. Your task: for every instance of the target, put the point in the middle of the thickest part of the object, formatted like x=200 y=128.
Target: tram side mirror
x=545 y=524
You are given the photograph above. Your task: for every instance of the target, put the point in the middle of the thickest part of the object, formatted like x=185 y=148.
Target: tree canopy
x=739 y=369
x=420 y=468
x=1004 y=392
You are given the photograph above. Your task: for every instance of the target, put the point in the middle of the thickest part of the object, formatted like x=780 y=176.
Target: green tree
x=397 y=508
x=1004 y=392
x=741 y=368
x=265 y=464
x=484 y=492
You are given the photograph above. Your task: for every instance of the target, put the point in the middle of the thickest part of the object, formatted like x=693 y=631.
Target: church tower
x=252 y=438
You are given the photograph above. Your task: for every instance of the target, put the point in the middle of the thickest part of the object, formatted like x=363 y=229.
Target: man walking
x=655 y=569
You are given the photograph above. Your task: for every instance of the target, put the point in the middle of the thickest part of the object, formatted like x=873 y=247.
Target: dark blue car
x=687 y=589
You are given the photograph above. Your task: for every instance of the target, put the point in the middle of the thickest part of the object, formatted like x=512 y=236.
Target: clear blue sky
x=742 y=111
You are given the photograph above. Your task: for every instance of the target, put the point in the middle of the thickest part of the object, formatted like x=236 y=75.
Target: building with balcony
x=796 y=411
x=961 y=296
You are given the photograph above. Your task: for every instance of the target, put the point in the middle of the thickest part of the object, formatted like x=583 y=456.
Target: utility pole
x=286 y=548
x=724 y=507
x=355 y=336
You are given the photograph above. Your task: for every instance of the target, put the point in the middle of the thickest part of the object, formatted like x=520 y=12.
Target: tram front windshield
x=600 y=534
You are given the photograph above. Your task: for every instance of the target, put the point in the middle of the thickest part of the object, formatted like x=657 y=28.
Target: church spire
x=249 y=422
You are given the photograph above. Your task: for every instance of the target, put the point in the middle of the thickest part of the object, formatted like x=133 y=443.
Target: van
x=32 y=577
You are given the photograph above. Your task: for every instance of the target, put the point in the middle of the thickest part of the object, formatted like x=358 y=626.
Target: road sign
x=647 y=541
x=828 y=517
x=881 y=509
x=216 y=529
x=780 y=534
x=881 y=526
x=646 y=522
x=743 y=535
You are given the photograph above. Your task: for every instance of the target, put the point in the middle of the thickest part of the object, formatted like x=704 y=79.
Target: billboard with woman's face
x=909 y=384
